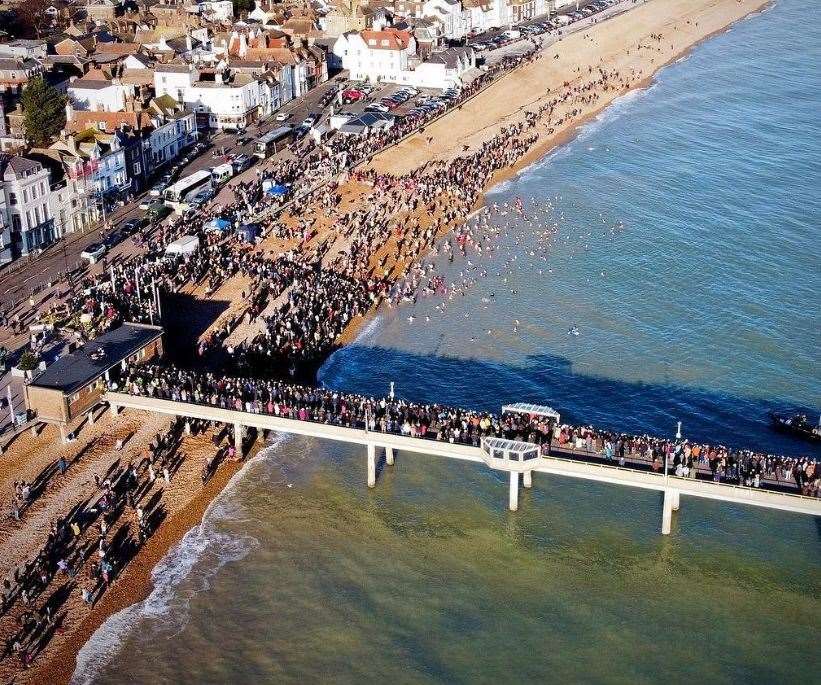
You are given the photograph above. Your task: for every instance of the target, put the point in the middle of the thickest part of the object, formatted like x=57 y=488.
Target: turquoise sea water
x=687 y=255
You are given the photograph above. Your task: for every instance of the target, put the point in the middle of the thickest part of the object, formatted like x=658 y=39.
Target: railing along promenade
x=556 y=463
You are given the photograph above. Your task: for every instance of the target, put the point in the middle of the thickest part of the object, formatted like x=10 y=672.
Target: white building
x=390 y=56
x=26 y=190
x=231 y=100
x=98 y=95
x=376 y=55
x=173 y=130
x=450 y=15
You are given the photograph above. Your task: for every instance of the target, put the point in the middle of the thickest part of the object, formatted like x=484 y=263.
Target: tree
x=28 y=361
x=44 y=111
x=241 y=6
x=32 y=19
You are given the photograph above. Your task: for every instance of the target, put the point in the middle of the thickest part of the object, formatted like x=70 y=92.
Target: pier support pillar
x=676 y=495
x=115 y=410
x=667 y=511
x=514 y=491
x=371 y=465
x=238 y=439
x=389 y=456
x=63 y=433
x=91 y=418
x=527 y=479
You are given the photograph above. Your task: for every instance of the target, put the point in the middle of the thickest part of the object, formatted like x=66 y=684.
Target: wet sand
x=501 y=104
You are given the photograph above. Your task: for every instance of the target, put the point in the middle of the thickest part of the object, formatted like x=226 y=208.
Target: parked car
x=241 y=163
x=94 y=252
x=157 y=211
x=309 y=121
x=202 y=197
x=352 y=95
x=131 y=226
x=377 y=107
x=156 y=190
x=282 y=116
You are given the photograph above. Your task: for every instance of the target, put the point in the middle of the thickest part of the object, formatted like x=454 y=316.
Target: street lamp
x=675 y=450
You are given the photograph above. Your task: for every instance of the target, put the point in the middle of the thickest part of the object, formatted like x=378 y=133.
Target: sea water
x=687 y=255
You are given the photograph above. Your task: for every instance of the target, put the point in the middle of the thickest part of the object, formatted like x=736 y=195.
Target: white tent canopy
x=532 y=409
x=188 y=244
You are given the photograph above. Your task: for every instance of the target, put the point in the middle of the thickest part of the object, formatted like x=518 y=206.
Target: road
x=29 y=275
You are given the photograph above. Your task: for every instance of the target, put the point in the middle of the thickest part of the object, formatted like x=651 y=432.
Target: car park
x=93 y=252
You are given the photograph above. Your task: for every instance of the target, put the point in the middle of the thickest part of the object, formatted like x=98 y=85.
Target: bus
x=273 y=141
x=179 y=191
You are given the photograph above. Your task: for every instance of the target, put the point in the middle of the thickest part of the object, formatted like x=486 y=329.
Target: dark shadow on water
x=652 y=408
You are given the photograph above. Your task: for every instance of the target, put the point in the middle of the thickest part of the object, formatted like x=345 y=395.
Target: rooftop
x=76 y=370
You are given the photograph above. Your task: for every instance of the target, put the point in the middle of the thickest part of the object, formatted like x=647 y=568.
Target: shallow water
x=698 y=201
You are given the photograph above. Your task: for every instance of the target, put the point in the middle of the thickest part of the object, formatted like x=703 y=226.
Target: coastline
x=135 y=584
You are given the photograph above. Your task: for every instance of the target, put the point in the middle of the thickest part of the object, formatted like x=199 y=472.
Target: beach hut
x=186 y=245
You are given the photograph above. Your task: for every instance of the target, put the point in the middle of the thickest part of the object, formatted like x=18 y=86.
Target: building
x=376 y=55
x=26 y=191
x=24 y=49
x=227 y=100
x=96 y=160
x=390 y=56
x=95 y=93
x=73 y=384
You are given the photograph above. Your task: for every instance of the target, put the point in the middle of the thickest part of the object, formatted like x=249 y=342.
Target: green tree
x=243 y=6
x=28 y=361
x=44 y=111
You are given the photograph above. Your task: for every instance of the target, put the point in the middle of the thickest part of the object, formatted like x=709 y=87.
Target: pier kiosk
x=532 y=410
x=514 y=457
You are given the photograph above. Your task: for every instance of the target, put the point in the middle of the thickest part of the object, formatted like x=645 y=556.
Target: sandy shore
x=623 y=43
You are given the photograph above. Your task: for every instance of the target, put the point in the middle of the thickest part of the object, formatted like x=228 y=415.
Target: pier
x=518 y=459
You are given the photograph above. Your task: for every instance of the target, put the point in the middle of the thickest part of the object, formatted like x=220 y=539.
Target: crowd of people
x=87 y=547
x=464 y=426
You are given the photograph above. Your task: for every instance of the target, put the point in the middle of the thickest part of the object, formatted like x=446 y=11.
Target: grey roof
x=76 y=370
x=172 y=68
x=19 y=165
x=17 y=63
x=90 y=84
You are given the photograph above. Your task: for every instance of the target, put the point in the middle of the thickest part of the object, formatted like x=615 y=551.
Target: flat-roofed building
x=74 y=383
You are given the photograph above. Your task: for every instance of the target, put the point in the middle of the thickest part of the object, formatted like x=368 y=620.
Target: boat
x=797 y=426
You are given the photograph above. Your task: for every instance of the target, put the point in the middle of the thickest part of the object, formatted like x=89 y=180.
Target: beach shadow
x=186 y=318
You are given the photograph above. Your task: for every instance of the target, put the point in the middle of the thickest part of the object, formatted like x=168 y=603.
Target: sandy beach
x=635 y=44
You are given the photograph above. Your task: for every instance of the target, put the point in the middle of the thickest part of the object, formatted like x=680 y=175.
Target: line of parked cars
x=389 y=102
x=540 y=27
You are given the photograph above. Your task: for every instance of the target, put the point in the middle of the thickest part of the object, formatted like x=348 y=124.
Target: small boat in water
x=796 y=425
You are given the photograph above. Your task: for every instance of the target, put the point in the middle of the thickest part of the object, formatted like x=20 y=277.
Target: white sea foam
x=195 y=560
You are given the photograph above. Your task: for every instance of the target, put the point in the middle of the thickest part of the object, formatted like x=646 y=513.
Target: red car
x=352 y=95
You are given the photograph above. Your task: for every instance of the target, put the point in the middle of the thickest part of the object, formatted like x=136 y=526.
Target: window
x=25 y=195
x=12 y=198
